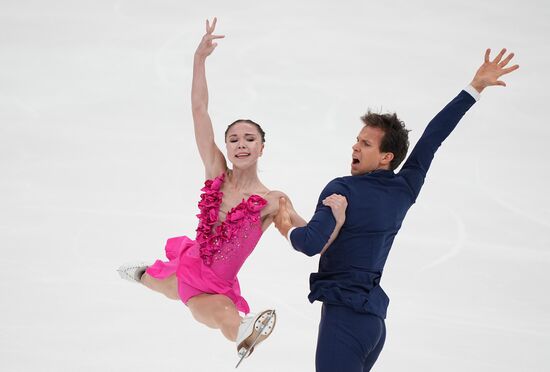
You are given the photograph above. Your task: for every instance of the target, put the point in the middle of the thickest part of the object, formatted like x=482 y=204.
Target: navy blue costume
x=352 y=330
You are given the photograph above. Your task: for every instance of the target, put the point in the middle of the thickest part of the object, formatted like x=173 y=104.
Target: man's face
x=366 y=156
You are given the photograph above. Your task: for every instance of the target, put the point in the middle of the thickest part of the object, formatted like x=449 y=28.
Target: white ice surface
x=98 y=166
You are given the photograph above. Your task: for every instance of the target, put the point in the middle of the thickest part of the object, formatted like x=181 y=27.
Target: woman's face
x=244 y=145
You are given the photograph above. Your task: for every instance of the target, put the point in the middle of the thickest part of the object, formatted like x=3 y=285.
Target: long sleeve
x=416 y=166
x=311 y=239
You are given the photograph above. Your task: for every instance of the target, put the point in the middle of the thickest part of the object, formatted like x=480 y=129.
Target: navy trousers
x=348 y=341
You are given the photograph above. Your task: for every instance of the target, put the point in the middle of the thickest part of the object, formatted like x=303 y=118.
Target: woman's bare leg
x=216 y=311
x=213 y=310
x=168 y=286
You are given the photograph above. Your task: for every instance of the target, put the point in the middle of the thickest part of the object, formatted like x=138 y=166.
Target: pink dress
x=210 y=263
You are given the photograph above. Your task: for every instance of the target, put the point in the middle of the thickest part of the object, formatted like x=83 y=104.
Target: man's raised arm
x=416 y=166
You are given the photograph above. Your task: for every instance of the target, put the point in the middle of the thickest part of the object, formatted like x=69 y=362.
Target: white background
x=98 y=166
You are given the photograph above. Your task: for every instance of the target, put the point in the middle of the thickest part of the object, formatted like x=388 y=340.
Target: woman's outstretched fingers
x=209 y=28
x=214 y=21
x=211 y=37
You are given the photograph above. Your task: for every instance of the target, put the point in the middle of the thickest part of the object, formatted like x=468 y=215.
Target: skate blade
x=259 y=337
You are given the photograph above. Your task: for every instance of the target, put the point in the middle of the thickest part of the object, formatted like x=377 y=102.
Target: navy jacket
x=350 y=270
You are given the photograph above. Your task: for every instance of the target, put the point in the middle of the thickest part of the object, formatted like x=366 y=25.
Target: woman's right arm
x=212 y=158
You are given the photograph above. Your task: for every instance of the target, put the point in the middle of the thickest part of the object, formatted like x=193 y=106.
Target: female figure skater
x=235 y=209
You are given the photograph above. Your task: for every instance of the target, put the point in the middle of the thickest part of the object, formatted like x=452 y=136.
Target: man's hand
x=490 y=71
x=338 y=205
x=206 y=46
x=282 y=220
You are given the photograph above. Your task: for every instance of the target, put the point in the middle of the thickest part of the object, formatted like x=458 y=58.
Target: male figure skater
x=352 y=330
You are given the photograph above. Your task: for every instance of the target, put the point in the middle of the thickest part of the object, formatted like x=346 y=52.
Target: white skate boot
x=253 y=330
x=132 y=271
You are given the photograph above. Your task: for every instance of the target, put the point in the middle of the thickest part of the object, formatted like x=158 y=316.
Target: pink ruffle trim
x=209 y=238
x=189 y=270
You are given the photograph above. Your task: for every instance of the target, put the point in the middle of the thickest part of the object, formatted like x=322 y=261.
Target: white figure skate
x=252 y=331
x=132 y=271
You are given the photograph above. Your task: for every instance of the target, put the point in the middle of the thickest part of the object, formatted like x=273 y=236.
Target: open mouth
x=242 y=155
x=355 y=161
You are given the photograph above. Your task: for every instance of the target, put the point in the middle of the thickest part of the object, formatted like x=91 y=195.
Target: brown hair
x=396 y=136
x=248 y=121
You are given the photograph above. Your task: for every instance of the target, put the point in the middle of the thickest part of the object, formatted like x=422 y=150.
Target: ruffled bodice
x=218 y=241
x=210 y=263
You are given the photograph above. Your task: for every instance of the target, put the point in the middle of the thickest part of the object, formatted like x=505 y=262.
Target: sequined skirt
x=193 y=276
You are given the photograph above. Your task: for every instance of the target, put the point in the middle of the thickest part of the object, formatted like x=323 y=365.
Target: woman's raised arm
x=212 y=158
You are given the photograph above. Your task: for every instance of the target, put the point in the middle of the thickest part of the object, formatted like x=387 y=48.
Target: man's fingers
x=499 y=56
x=505 y=61
x=327 y=203
x=282 y=203
x=510 y=69
x=330 y=199
x=334 y=196
x=501 y=83
x=487 y=53
x=207 y=26
x=283 y=213
x=282 y=217
x=337 y=198
x=334 y=203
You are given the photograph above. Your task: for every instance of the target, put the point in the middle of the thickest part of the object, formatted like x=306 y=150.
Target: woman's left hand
x=338 y=205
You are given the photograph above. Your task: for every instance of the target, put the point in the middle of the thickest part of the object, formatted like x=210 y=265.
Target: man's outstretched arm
x=416 y=166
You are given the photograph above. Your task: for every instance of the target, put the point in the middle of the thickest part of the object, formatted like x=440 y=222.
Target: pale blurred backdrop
x=98 y=166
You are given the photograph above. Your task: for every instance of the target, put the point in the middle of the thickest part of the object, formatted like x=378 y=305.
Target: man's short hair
x=396 y=136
